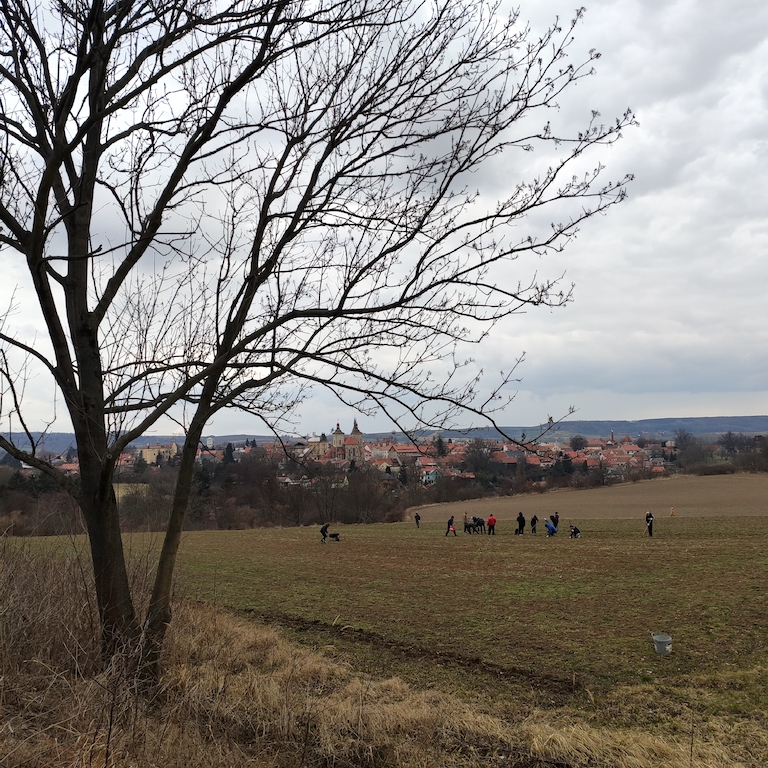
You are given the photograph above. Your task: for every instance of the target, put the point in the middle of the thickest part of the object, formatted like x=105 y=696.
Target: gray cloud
x=668 y=317
x=670 y=287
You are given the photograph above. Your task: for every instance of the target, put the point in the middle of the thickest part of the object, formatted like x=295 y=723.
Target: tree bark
x=119 y=627
x=159 y=613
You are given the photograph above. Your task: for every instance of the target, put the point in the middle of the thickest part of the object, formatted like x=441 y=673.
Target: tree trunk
x=159 y=613
x=113 y=595
x=119 y=626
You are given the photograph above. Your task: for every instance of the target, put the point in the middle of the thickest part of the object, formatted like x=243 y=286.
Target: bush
x=711 y=469
x=49 y=619
x=49 y=515
x=750 y=462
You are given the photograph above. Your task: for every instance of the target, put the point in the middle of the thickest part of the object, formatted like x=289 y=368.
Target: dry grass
x=740 y=495
x=236 y=693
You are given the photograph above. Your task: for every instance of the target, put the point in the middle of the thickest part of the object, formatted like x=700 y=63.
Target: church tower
x=338 y=438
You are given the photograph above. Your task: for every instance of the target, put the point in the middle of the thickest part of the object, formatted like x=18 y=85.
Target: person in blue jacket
x=551 y=530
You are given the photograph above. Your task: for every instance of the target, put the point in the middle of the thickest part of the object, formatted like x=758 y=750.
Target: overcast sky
x=669 y=317
x=669 y=314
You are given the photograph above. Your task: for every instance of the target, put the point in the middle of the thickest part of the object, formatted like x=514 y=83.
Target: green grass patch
x=546 y=619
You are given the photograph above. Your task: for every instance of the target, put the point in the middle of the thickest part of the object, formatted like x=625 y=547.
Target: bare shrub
x=711 y=469
x=49 y=620
x=50 y=514
x=753 y=461
x=146 y=506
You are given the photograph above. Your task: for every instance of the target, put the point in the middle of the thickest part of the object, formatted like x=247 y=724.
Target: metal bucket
x=662 y=643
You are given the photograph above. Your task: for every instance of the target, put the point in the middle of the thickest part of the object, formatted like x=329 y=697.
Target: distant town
x=346 y=476
x=613 y=457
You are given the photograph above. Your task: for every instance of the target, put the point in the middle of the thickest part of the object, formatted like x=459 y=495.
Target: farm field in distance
x=742 y=495
x=531 y=620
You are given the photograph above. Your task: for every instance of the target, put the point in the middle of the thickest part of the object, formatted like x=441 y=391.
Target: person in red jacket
x=491 y=522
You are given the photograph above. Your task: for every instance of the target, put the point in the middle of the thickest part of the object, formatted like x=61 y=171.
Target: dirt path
x=691 y=496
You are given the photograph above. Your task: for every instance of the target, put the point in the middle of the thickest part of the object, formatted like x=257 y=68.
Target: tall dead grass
x=236 y=694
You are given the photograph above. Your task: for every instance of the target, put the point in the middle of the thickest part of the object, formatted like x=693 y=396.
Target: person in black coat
x=649 y=522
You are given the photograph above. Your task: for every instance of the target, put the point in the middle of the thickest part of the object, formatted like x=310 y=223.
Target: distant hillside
x=704 y=426
x=52 y=442
x=701 y=426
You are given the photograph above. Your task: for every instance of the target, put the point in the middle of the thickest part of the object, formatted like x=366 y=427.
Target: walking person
x=491 y=521
x=417 y=520
x=534 y=520
x=520 y=524
x=324 y=533
x=451 y=527
x=649 y=522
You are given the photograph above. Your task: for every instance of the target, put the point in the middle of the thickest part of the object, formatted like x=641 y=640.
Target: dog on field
x=334 y=537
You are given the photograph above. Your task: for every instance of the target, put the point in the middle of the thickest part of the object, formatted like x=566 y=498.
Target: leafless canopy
x=281 y=192
x=218 y=203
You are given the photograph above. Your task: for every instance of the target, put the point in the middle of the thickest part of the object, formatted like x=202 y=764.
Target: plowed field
x=720 y=496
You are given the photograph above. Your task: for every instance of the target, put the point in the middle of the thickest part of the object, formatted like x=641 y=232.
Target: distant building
x=151 y=453
x=318 y=446
x=347 y=447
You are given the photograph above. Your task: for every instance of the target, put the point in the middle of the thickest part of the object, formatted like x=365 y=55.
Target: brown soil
x=554 y=684
x=691 y=496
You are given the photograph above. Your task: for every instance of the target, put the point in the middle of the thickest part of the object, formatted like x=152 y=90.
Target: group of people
x=552 y=524
x=520 y=530
x=480 y=525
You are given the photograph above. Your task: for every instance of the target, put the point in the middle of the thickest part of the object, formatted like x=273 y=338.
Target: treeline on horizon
x=264 y=490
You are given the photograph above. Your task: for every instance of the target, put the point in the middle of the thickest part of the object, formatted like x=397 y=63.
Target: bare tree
x=685 y=440
x=578 y=443
x=327 y=492
x=733 y=443
x=478 y=455
x=367 y=499
x=220 y=203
